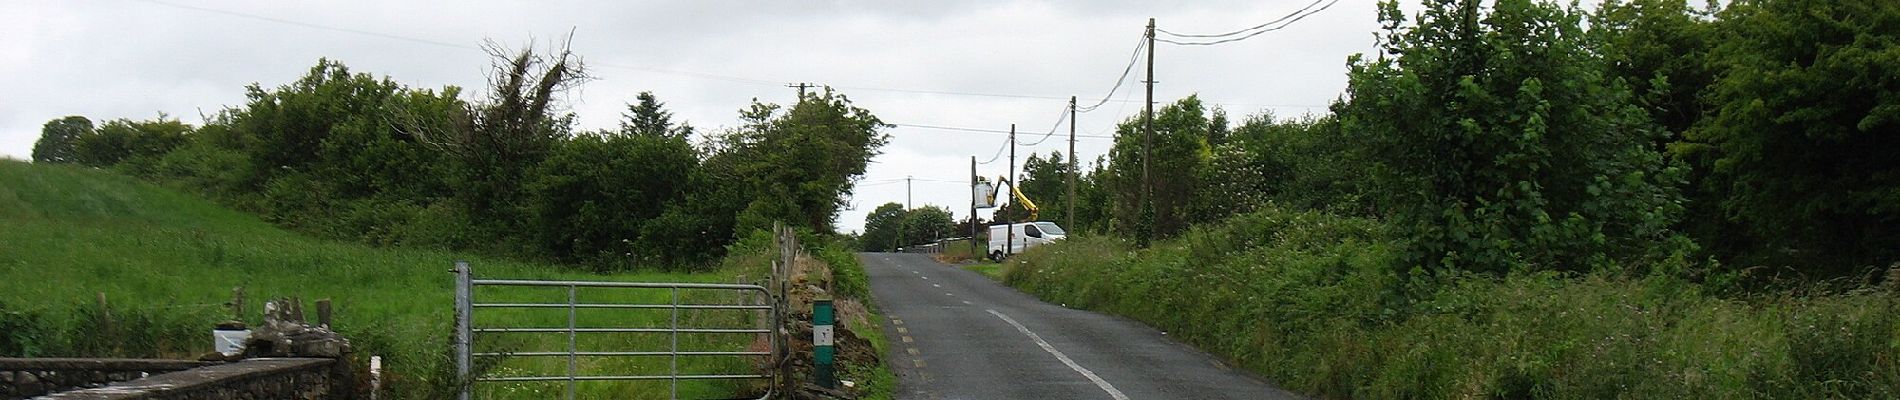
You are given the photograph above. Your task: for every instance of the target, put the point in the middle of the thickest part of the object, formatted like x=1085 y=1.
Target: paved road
x=956 y=334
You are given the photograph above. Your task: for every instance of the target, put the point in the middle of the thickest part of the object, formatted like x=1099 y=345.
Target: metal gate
x=466 y=333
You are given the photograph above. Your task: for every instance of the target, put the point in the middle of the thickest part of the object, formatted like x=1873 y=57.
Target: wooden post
x=237 y=303
x=105 y=319
x=323 y=313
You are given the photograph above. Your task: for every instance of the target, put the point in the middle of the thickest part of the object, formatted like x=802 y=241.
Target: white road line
x=1117 y=394
x=936 y=285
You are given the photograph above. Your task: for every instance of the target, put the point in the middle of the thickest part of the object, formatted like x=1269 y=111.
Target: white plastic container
x=229 y=343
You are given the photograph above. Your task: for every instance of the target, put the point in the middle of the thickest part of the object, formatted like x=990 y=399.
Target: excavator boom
x=1020 y=198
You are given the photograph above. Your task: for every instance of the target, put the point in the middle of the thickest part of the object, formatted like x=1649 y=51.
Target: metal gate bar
x=465 y=331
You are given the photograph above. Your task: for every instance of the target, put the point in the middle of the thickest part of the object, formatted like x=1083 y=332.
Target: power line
x=315 y=26
x=701 y=75
x=1132 y=59
x=1217 y=35
x=999 y=153
x=980 y=130
x=1052 y=129
x=1251 y=35
x=892 y=180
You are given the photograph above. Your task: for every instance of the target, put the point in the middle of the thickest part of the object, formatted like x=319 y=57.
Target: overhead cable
x=1052 y=129
x=1255 y=33
x=1132 y=60
x=984 y=130
x=1219 y=35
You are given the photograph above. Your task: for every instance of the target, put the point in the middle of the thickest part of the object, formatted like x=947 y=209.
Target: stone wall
x=251 y=379
x=27 y=377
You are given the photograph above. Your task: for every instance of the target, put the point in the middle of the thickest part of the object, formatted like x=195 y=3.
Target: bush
x=592 y=196
x=1311 y=301
x=847 y=273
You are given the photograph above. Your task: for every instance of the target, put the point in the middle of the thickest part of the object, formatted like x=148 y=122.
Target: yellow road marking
x=901 y=330
x=912 y=351
x=895 y=321
x=907 y=339
x=918 y=363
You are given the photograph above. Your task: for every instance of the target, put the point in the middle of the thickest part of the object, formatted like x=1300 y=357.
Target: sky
x=957 y=64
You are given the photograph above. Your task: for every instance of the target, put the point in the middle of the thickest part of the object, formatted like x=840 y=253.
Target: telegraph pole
x=973 y=177
x=801 y=87
x=1009 y=242
x=1147 y=137
x=1071 y=222
x=901 y=222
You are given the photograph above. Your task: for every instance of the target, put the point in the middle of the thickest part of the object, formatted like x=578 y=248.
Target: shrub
x=1311 y=301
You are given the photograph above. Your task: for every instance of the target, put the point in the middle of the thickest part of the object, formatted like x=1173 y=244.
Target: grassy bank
x=165 y=262
x=871 y=380
x=956 y=251
x=1311 y=302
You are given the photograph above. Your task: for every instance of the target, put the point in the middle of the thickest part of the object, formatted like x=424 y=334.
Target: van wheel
x=996 y=256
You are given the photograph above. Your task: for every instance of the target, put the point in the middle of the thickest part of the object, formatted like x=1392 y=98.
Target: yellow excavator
x=1024 y=200
x=1012 y=237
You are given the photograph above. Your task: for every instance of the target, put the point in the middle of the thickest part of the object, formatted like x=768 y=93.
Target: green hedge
x=1313 y=302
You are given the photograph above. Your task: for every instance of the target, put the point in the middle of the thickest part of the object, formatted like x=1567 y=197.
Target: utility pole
x=801 y=86
x=903 y=222
x=1009 y=242
x=1147 y=137
x=973 y=182
x=1070 y=224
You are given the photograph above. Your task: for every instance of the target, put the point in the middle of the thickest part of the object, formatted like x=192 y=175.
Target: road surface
x=955 y=334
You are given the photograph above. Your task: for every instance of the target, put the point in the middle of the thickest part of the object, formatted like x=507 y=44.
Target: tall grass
x=166 y=262
x=955 y=251
x=1313 y=302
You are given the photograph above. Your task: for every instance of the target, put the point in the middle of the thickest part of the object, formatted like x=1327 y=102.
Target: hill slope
x=166 y=262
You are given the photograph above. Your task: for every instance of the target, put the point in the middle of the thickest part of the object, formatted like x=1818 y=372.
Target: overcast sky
x=991 y=64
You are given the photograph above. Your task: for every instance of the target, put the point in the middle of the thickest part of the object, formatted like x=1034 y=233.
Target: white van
x=1025 y=235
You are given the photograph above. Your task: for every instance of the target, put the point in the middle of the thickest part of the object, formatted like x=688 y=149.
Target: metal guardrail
x=465 y=332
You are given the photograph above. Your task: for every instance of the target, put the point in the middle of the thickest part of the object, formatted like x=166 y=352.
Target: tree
x=1093 y=208
x=881 y=227
x=291 y=123
x=1244 y=172
x=1045 y=182
x=1179 y=152
x=595 y=193
x=927 y=224
x=1661 y=48
x=891 y=226
x=649 y=118
x=59 y=138
x=799 y=165
x=1800 y=131
x=1505 y=146
x=1303 y=163
x=335 y=153
x=127 y=141
x=1219 y=130
x=494 y=145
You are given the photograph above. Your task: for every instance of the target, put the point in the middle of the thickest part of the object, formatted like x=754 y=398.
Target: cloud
x=110 y=59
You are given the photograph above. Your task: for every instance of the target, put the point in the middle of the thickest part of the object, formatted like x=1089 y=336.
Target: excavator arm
x=1020 y=198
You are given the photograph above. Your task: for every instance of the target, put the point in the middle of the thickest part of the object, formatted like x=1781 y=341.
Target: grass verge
x=989 y=269
x=869 y=378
